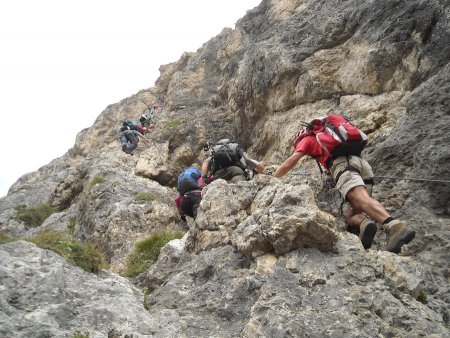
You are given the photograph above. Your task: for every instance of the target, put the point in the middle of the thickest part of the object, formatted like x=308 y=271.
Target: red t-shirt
x=310 y=147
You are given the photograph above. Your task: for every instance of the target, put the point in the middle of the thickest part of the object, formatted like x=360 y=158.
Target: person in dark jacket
x=188 y=203
x=129 y=138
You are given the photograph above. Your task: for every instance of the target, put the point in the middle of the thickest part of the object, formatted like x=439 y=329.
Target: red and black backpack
x=336 y=135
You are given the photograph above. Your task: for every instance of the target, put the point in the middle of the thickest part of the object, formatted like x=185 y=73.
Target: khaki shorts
x=230 y=174
x=350 y=178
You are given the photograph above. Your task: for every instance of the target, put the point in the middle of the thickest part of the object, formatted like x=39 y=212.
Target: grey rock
x=43 y=295
x=270 y=258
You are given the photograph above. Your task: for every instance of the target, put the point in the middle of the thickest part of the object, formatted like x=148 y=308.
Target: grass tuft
x=83 y=255
x=145 y=196
x=172 y=123
x=422 y=297
x=80 y=335
x=97 y=180
x=71 y=225
x=34 y=216
x=146 y=306
x=5 y=238
x=146 y=252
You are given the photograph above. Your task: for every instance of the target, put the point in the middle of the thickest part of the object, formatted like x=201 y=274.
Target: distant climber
x=228 y=161
x=147 y=119
x=135 y=126
x=129 y=138
x=336 y=144
x=189 y=186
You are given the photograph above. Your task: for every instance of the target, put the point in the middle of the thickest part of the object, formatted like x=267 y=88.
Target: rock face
x=261 y=216
x=44 y=296
x=265 y=258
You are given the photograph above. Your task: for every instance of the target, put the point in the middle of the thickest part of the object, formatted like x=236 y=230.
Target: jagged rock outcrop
x=260 y=217
x=305 y=293
x=302 y=293
x=44 y=296
x=246 y=268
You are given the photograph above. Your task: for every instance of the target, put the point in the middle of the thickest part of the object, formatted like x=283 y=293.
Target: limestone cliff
x=266 y=258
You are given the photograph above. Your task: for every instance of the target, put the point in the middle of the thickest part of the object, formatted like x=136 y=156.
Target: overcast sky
x=62 y=63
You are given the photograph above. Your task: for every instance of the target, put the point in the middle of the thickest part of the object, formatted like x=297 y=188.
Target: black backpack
x=226 y=153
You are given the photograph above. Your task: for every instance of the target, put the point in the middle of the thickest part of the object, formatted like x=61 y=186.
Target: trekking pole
x=145 y=141
x=412 y=179
x=157 y=147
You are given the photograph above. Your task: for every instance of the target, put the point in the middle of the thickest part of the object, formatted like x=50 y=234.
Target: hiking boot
x=398 y=234
x=367 y=231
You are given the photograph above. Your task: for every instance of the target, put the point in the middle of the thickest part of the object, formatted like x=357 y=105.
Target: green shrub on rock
x=147 y=251
x=71 y=224
x=5 y=238
x=34 y=216
x=83 y=255
x=422 y=297
x=97 y=180
x=145 y=196
x=80 y=335
x=172 y=123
